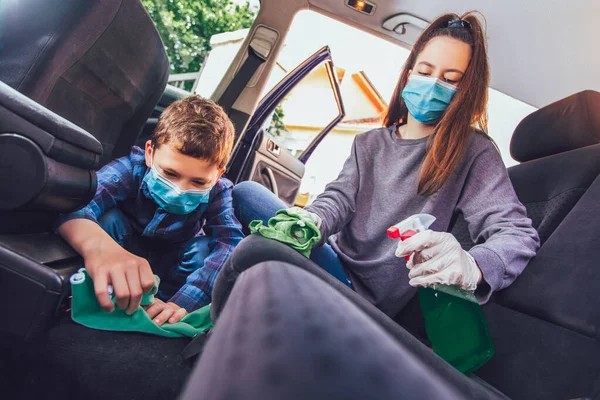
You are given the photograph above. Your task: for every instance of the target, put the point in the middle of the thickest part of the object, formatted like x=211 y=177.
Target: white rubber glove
x=308 y=215
x=439 y=259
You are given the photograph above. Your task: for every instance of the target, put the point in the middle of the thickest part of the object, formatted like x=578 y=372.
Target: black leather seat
x=98 y=64
x=80 y=79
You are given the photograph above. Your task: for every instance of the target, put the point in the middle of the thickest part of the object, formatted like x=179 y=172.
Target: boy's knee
x=247 y=189
x=253 y=201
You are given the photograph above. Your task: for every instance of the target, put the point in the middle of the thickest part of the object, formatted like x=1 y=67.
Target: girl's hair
x=467 y=109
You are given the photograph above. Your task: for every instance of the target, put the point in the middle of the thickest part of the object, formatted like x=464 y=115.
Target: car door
x=289 y=123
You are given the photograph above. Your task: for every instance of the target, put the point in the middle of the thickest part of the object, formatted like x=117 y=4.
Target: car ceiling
x=540 y=50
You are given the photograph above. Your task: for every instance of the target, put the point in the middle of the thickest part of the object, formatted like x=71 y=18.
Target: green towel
x=86 y=311
x=291 y=228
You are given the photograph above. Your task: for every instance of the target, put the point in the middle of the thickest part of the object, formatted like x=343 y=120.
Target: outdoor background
x=203 y=36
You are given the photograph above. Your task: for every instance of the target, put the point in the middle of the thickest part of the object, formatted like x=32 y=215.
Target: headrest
x=568 y=124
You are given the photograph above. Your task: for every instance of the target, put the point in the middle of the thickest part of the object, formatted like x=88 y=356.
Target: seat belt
x=241 y=79
x=196 y=346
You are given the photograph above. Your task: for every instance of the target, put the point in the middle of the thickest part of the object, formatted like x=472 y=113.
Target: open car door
x=289 y=123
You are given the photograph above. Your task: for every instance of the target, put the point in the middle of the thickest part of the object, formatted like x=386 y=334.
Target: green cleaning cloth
x=290 y=227
x=86 y=311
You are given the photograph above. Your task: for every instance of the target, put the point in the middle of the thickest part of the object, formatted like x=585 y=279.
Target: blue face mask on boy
x=427 y=98
x=170 y=197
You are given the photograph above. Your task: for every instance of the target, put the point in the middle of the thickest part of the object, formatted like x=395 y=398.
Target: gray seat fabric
x=72 y=362
x=98 y=64
x=546 y=324
x=286 y=333
x=558 y=148
x=549 y=188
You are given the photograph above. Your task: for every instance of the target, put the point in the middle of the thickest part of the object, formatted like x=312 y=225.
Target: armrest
x=34 y=281
x=58 y=138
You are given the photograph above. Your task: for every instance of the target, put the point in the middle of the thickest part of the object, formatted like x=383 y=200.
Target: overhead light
x=362 y=6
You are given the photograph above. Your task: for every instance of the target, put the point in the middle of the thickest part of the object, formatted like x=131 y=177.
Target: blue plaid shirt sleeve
x=225 y=233
x=115 y=183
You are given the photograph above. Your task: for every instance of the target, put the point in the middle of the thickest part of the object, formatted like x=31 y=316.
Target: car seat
x=79 y=80
x=546 y=325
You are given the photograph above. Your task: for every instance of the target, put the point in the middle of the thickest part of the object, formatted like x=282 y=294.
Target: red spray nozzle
x=394 y=233
x=407 y=234
x=410 y=227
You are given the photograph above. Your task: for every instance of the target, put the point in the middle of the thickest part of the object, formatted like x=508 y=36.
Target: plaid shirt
x=120 y=184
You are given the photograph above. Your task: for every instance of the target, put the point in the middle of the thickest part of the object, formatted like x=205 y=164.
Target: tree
x=277 y=126
x=186 y=27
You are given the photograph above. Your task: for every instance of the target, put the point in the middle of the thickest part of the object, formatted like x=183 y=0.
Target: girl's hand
x=439 y=259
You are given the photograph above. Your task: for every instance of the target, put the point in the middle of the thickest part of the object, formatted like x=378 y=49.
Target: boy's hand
x=160 y=312
x=130 y=276
x=108 y=263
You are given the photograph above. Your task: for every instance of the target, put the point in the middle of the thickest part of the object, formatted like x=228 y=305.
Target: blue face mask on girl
x=170 y=197
x=427 y=98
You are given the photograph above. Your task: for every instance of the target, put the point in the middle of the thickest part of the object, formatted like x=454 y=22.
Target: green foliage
x=186 y=27
x=277 y=126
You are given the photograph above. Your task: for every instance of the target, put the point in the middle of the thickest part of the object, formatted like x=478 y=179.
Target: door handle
x=273 y=148
x=271 y=177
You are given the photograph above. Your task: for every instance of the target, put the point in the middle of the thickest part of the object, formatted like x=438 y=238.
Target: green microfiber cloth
x=291 y=228
x=86 y=311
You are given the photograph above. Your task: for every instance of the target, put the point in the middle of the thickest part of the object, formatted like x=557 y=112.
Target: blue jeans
x=253 y=201
x=172 y=262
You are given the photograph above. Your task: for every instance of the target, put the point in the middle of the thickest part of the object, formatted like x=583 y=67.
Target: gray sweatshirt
x=377 y=188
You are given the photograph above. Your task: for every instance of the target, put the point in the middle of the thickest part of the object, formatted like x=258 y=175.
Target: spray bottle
x=453 y=318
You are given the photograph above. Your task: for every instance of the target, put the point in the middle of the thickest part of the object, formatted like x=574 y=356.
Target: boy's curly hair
x=197 y=127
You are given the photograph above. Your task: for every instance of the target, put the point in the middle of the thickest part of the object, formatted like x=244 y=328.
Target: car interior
x=81 y=82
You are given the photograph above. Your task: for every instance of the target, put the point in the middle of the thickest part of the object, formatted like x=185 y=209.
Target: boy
x=149 y=212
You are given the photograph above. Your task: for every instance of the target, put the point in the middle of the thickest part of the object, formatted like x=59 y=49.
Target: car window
x=368 y=69
x=364 y=65
x=186 y=28
x=304 y=113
